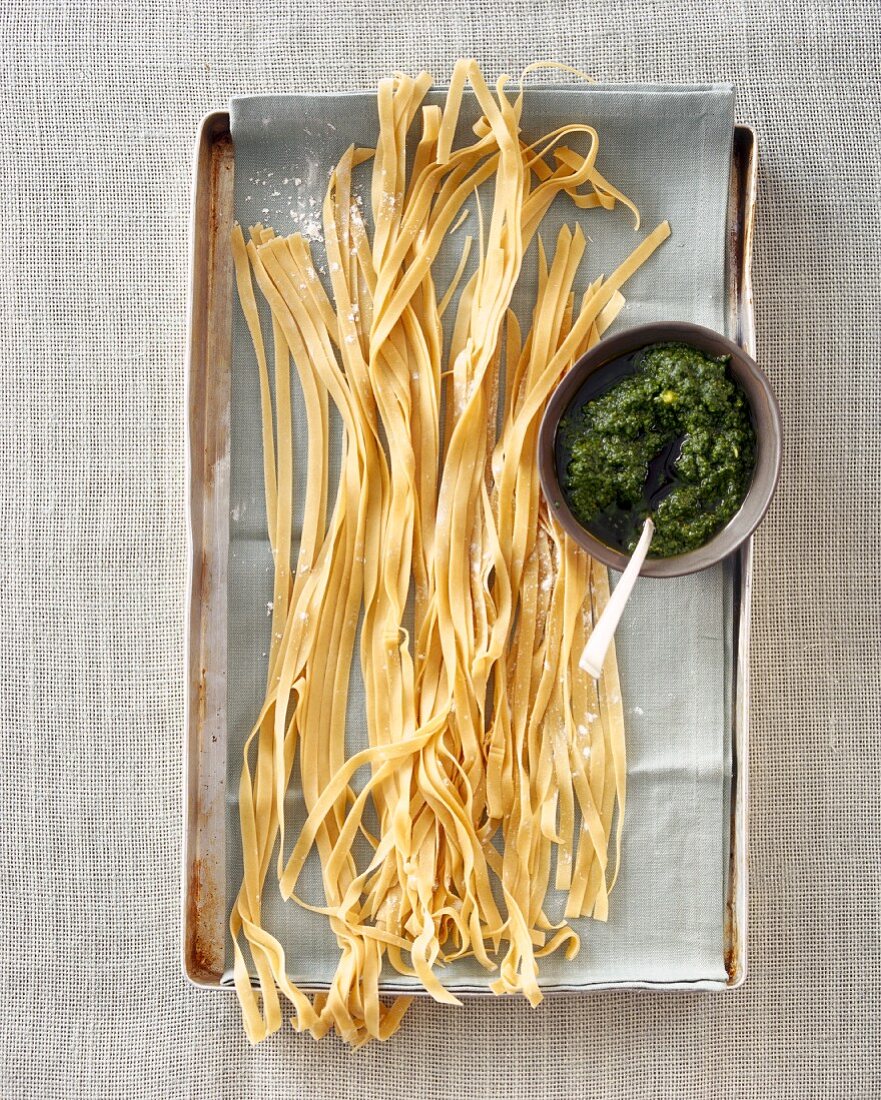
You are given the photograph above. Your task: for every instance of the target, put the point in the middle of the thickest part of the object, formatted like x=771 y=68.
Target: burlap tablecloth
x=100 y=106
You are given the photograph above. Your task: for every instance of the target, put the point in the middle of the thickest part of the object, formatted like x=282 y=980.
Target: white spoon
x=594 y=654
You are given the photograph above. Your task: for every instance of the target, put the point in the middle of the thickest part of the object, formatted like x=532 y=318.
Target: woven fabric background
x=100 y=104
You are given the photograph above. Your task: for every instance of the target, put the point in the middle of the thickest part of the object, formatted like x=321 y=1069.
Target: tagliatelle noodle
x=482 y=730
x=249 y=309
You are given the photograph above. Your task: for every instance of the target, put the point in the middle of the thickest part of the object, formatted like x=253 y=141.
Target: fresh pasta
x=495 y=771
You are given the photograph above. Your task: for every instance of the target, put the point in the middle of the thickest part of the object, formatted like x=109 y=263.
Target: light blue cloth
x=669 y=149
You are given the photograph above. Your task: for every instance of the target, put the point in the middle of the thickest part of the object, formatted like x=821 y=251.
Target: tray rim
x=212 y=131
x=197 y=956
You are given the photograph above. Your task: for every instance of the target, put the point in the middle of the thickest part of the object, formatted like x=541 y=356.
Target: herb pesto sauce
x=671 y=439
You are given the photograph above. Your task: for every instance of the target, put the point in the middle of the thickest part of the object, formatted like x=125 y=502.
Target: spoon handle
x=594 y=654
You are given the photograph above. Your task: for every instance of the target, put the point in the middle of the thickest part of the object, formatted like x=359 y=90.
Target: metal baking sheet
x=204 y=889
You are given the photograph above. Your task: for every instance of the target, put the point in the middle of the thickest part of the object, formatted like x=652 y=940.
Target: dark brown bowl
x=766 y=418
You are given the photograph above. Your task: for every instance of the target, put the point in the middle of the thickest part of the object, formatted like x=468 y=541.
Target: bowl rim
x=769 y=441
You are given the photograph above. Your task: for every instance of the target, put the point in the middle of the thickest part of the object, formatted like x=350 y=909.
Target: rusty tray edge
x=203 y=897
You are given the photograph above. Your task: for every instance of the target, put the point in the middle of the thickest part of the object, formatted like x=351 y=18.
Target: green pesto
x=677 y=393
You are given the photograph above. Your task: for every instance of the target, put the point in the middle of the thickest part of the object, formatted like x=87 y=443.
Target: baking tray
x=203 y=894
